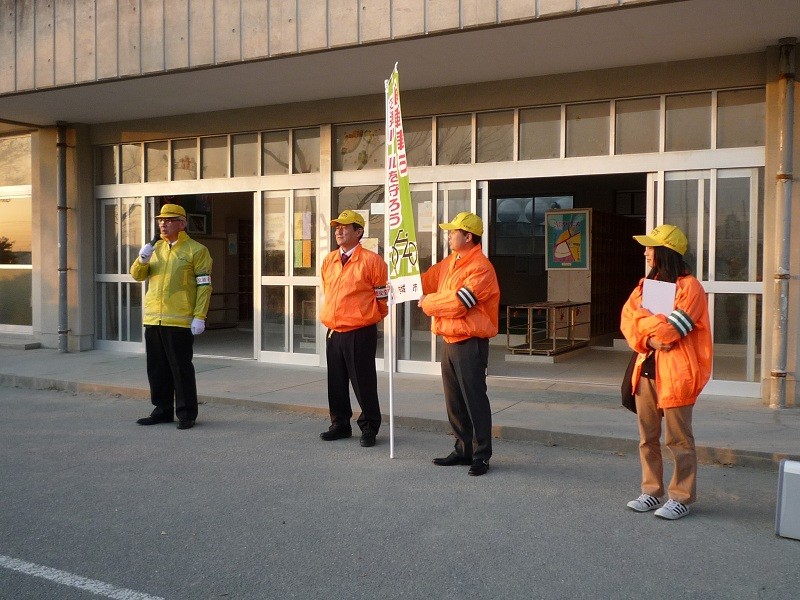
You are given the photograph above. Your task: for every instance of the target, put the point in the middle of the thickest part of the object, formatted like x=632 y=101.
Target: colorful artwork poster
x=567 y=237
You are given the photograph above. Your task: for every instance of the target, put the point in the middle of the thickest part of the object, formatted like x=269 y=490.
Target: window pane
x=245 y=154
x=359 y=146
x=587 y=129
x=184 y=159
x=741 y=118
x=157 y=160
x=731 y=321
x=306 y=150
x=495 y=141
x=362 y=199
x=109 y=239
x=274 y=235
x=15 y=160
x=107 y=310
x=733 y=225
x=15 y=290
x=273 y=319
x=419 y=142
x=131 y=163
x=449 y=203
x=305 y=235
x=540 y=133
x=305 y=319
x=454 y=140
x=513 y=228
x=275 y=152
x=131 y=232
x=105 y=167
x=15 y=231
x=214 y=156
x=680 y=208
x=134 y=311
x=637 y=125
x=688 y=122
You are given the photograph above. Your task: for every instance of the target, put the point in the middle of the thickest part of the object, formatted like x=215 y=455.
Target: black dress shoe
x=154 y=419
x=479 y=467
x=452 y=460
x=367 y=438
x=336 y=433
x=186 y=424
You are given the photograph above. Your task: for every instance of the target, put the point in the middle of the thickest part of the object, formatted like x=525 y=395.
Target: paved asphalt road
x=250 y=504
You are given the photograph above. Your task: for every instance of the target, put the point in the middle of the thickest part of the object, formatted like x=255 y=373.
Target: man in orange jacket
x=462 y=295
x=354 y=283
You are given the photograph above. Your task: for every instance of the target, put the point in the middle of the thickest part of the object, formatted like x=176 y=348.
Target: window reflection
x=454 y=140
x=15 y=231
x=688 y=122
x=495 y=138
x=359 y=146
x=305 y=148
x=15 y=160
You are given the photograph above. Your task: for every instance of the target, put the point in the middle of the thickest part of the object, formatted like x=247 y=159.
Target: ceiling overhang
x=647 y=34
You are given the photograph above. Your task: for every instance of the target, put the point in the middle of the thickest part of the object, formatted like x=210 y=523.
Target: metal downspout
x=61 y=192
x=783 y=222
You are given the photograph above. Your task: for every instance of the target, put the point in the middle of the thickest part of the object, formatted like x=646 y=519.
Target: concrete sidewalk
x=735 y=431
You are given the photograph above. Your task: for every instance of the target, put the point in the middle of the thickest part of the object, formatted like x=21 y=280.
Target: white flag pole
x=389 y=299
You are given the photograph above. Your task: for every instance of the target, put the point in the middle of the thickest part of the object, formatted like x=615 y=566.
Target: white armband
x=203 y=279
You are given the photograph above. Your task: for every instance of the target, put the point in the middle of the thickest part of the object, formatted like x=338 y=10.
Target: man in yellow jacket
x=178 y=294
x=354 y=283
x=462 y=295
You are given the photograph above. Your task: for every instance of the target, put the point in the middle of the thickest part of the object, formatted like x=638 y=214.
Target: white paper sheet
x=658 y=296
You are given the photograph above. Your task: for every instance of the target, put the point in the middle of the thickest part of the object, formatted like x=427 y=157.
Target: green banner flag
x=403 y=258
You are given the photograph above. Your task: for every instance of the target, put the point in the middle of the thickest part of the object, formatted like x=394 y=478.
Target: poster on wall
x=567 y=239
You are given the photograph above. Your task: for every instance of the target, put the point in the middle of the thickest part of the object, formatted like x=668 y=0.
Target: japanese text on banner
x=403 y=259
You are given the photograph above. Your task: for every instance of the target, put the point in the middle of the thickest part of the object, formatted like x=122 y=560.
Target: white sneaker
x=672 y=510
x=644 y=503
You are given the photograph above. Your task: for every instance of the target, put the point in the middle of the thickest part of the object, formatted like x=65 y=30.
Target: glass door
x=418 y=349
x=120 y=227
x=289 y=282
x=722 y=212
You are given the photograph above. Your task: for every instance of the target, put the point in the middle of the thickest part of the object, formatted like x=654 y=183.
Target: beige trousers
x=679 y=440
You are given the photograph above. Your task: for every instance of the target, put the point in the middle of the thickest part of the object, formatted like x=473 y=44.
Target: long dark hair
x=668 y=265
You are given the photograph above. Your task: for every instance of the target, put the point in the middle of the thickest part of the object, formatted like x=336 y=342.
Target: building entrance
x=517 y=250
x=224 y=224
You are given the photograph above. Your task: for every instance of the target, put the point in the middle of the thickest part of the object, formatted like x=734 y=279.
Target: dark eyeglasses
x=169 y=219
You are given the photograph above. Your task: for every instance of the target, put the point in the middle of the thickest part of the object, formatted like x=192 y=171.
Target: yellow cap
x=347 y=217
x=665 y=235
x=170 y=211
x=467 y=221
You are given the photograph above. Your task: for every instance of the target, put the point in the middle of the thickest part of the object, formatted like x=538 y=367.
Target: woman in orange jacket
x=673 y=366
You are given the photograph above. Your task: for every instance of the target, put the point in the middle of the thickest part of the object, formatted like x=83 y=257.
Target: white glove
x=145 y=253
x=198 y=326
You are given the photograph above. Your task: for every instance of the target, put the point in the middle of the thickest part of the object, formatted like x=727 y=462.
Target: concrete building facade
x=265 y=118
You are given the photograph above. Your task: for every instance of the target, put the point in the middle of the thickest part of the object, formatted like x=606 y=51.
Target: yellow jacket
x=179 y=289
x=682 y=371
x=355 y=294
x=462 y=296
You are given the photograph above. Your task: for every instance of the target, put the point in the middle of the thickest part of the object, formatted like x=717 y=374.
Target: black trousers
x=464 y=380
x=170 y=370
x=351 y=359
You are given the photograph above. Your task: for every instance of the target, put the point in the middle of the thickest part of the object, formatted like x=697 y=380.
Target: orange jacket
x=682 y=371
x=355 y=294
x=462 y=296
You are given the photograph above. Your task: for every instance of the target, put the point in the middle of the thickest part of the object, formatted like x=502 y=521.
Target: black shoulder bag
x=628 y=397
